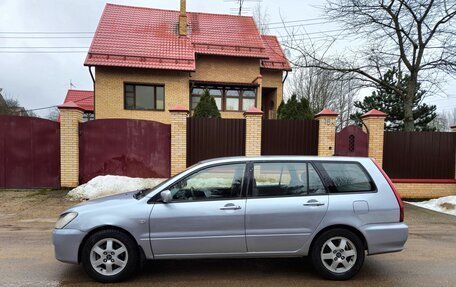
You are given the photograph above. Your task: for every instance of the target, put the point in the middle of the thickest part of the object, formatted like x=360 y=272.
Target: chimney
x=183 y=18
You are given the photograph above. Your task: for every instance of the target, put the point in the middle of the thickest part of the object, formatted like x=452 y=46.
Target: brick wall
x=326 y=132
x=109 y=85
x=273 y=79
x=376 y=134
x=425 y=190
x=109 y=92
x=69 y=146
x=253 y=126
x=178 y=139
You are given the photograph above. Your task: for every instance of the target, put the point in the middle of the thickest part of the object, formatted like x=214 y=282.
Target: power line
x=45 y=37
x=55 y=106
x=43 y=47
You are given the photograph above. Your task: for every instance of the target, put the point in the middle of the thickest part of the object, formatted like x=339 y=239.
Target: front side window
x=144 y=97
x=285 y=179
x=213 y=183
x=347 y=177
x=227 y=98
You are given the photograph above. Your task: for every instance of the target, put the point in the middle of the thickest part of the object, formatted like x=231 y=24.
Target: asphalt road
x=27 y=258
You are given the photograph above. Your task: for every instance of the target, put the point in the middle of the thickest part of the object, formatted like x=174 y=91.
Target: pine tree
x=294 y=109
x=389 y=102
x=207 y=107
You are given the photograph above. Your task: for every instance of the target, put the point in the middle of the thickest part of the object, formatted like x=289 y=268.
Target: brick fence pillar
x=70 y=117
x=326 y=132
x=179 y=116
x=253 y=123
x=375 y=124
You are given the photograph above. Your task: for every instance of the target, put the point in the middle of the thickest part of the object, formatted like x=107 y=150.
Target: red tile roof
x=374 y=113
x=148 y=38
x=83 y=99
x=277 y=59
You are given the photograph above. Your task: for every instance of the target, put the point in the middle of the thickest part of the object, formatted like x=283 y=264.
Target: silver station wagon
x=333 y=209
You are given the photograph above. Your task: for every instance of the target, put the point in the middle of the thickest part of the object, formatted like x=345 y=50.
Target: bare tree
x=325 y=89
x=262 y=18
x=415 y=35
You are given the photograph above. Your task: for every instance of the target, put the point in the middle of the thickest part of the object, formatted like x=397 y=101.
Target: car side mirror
x=166 y=196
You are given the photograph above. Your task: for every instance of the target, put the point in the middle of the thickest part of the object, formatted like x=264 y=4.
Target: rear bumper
x=66 y=244
x=385 y=238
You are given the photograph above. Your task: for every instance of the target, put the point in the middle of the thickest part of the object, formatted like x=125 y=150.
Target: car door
x=205 y=217
x=286 y=203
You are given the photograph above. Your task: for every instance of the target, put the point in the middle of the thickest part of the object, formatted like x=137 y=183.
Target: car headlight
x=64 y=219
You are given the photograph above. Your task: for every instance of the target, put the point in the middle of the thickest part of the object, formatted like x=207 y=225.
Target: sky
x=40 y=77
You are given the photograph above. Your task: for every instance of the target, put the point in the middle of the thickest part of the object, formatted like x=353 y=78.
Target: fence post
x=253 y=124
x=453 y=128
x=375 y=124
x=179 y=116
x=326 y=132
x=70 y=117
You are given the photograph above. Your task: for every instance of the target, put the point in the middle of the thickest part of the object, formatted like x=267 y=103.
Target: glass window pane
x=218 y=101
x=220 y=182
x=215 y=92
x=249 y=93
x=129 y=100
x=195 y=101
x=232 y=104
x=145 y=97
x=232 y=93
x=160 y=97
x=197 y=91
x=247 y=103
x=347 y=177
x=129 y=88
x=315 y=184
x=280 y=179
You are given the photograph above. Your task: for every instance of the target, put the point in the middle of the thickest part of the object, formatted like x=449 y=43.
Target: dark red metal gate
x=352 y=141
x=29 y=153
x=133 y=148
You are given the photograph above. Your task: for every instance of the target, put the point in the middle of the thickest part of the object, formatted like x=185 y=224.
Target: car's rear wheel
x=110 y=256
x=338 y=254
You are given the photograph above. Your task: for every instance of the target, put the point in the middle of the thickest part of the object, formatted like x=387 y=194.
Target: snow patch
x=111 y=184
x=445 y=204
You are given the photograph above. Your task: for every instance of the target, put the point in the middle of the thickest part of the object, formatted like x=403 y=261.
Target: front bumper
x=66 y=244
x=385 y=238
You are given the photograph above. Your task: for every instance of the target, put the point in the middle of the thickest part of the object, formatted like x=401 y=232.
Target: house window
x=227 y=98
x=88 y=116
x=144 y=97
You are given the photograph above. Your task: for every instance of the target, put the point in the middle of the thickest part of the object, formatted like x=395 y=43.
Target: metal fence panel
x=289 y=137
x=211 y=138
x=419 y=155
x=134 y=148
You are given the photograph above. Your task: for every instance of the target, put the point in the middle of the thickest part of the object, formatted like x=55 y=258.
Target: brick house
x=145 y=61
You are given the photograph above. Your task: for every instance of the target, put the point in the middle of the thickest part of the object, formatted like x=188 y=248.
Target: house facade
x=145 y=61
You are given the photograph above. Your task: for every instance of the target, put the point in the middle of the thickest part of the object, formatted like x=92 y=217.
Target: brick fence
x=373 y=126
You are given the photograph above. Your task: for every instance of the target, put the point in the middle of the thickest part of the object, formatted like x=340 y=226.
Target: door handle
x=313 y=202
x=230 y=206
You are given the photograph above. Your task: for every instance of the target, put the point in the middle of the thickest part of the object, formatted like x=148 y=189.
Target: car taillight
x=398 y=197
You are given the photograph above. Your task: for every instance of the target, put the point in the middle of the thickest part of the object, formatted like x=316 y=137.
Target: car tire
x=110 y=256
x=338 y=254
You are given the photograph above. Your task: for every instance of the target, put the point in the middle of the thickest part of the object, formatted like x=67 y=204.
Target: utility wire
x=55 y=106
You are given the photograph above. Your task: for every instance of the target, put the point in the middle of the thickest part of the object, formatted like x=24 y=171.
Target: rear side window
x=346 y=177
x=285 y=179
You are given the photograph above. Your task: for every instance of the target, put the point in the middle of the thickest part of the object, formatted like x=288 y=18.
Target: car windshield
x=142 y=193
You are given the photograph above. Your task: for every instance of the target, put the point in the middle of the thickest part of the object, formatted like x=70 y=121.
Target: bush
x=294 y=109
x=206 y=108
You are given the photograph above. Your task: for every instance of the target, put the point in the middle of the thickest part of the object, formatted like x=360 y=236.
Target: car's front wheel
x=110 y=256
x=338 y=254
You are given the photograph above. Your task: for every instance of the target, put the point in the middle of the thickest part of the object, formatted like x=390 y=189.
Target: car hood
x=111 y=200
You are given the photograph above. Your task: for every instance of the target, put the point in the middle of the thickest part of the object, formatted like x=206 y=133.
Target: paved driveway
x=26 y=255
